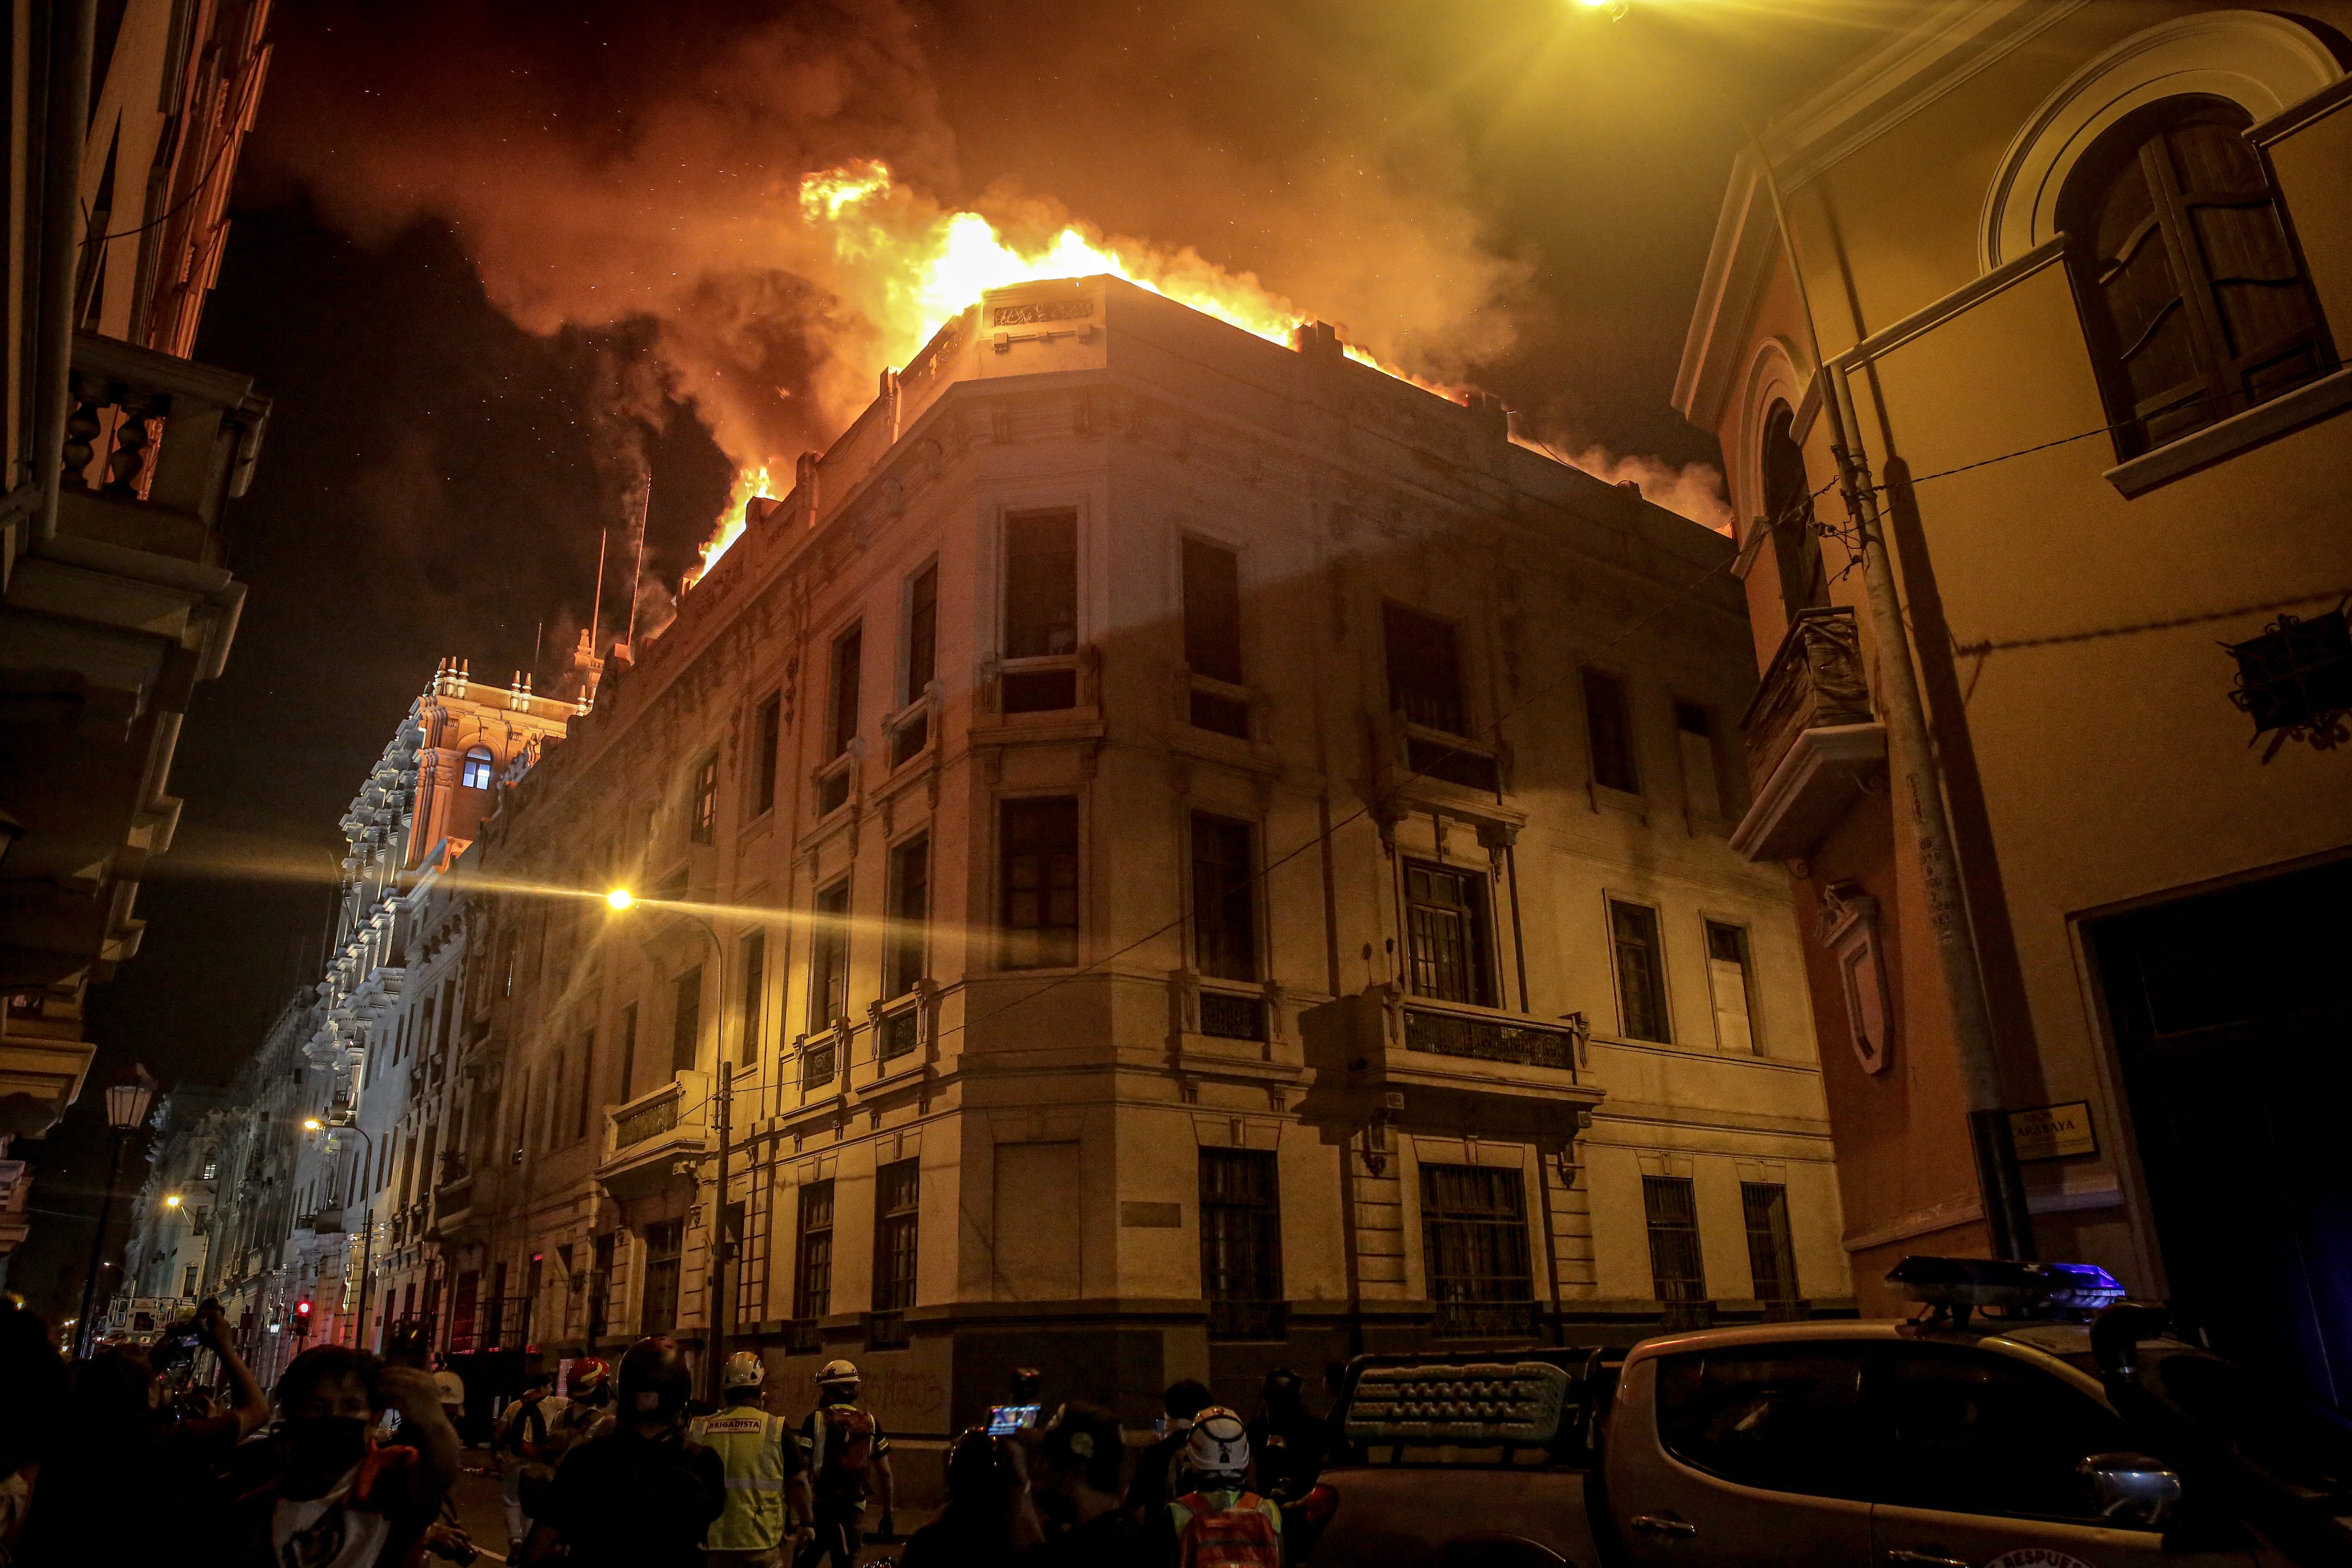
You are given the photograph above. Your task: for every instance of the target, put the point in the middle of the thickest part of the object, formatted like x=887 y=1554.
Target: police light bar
x=1978 y=1282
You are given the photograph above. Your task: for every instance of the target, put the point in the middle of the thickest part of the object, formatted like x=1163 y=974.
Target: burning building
x=1163 y=854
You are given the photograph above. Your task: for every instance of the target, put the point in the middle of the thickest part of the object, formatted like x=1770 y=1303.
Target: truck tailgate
x=1391 y=1516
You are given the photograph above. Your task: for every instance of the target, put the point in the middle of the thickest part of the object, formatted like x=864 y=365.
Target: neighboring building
x=164 y=1263
x=1187 y=856
x=2087 y=271
x=263 y=1259
x=126 y=120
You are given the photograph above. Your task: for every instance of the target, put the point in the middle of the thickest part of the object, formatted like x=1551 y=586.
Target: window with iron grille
x=704 y=825
x=813 y=1259
x=1641 y=972
x=1038 y=845
x=772 y=736
x=1670 y=1206
x=1608 y=728
x=2192 y=292
x=1424 y=669
x=1240 y=1242
x=1474 y=1222
x=829 y=958
x=665 y=1240
x=897 y=1203
x=686 y=1021
x=754 y=952
x=1771 y=1255
x=1445 y=930
x=911 y=908
x=1224 y=909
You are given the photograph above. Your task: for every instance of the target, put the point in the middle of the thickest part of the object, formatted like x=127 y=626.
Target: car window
x=1973 y=1431
x=1784 y=1418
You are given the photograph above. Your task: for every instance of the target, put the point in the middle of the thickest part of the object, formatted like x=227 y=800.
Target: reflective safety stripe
x=749 y=1444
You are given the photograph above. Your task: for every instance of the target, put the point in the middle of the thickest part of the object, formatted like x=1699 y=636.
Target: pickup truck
x=2014 y=1442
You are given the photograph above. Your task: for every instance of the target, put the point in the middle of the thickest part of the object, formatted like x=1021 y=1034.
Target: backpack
x=525 y=1428
x=845 y=1448
x=1241 y=1536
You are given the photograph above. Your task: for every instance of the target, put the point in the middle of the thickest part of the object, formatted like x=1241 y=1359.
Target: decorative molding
x=2262 y=62
x=1847 y=926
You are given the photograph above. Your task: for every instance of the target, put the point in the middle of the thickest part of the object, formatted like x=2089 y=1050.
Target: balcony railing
x=153 y=444
x=1815 y=681
x=634 y=1127
x=1525 y=1044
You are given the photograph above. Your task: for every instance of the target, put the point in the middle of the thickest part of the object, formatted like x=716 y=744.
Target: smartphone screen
x=1004 y=1420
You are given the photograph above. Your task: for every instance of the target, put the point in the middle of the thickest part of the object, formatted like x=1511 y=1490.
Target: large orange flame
x=925 y=265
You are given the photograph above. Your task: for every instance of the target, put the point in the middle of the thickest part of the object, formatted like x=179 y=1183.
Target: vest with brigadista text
x=751 y=1443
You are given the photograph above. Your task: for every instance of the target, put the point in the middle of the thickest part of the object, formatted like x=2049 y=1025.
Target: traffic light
x=303 y=1318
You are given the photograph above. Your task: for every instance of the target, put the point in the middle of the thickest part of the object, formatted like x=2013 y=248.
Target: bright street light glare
x=620 y=898
x=312 y=1124
x=171 y=1202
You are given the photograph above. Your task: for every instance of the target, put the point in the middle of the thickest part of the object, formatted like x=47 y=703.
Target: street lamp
x=723 y=1092
x=367 y=1235
x=127 y=1098
x=172 y=1201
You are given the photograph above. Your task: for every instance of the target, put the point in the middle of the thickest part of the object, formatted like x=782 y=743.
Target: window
x=1041 y=609
x=1474 y=1222
x=1424 y=669
x=772 y=736
x=188 y=1281
x=1038 y=845
x=898 y=1204
x=753 y=950
x=1670 y=1206
x=1240 y=1243
x=1641 y=972
x=665 y=1240
x=624 y=1076
x=1784 y=1419
x=587 y=1083
x=1771 y=1257
x=1789 y=513
x=1608 y=726
x=2192 y=294
x=813 y=1263
x=922 y=662
x=829 y=959
x=686 y=1021
x=479 y=768
x=1213 y=636
x=848 y=657
x=600 y=1286
x=911 y=908
x=702 y=825
x=1730 y=986
x=1701 y=782
x=1974 y=1432
x=1224 y=912
x=1445 y=929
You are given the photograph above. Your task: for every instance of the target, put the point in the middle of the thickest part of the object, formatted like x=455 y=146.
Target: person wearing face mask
x=337 y=1500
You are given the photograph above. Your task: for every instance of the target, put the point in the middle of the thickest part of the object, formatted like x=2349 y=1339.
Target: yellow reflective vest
x=751 y=1443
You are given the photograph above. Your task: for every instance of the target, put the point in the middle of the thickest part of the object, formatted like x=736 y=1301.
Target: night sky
x=435 y=476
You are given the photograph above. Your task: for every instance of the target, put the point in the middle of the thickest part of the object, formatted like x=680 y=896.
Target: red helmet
x=587 y=1375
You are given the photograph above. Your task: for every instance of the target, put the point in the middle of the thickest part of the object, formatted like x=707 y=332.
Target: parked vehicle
x=2068 y=1431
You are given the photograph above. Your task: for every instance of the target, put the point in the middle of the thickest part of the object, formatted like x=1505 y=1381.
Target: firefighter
x=768 y=1503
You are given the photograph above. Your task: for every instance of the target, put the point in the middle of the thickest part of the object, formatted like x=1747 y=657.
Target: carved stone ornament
x=1847 y=927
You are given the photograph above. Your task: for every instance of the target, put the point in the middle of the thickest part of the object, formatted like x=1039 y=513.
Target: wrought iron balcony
x=1815 y=742
x=646 y=1137
x=1451 y=1034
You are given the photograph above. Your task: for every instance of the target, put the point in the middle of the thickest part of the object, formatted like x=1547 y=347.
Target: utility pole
x=2001 y=1185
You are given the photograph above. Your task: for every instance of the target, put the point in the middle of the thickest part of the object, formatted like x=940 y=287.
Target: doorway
x=2234 y=1024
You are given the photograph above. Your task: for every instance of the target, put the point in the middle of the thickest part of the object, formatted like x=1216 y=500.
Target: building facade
x=125 y=125
x=2079 y=277
x=1165 y=854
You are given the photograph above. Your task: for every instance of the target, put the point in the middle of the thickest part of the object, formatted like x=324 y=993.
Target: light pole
x=722 y=1248
x=127 y=1098
x=367 y=1221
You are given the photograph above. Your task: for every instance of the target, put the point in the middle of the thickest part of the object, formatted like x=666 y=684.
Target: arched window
x=1789 y=512
x=2192 y=290
x=478 y=766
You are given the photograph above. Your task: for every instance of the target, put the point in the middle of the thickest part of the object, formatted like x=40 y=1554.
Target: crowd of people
x=349 y=1460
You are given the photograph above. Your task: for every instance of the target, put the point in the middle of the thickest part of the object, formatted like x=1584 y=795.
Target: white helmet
x=746 y=1370
x=836 y=1371
x=1218 y=1444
